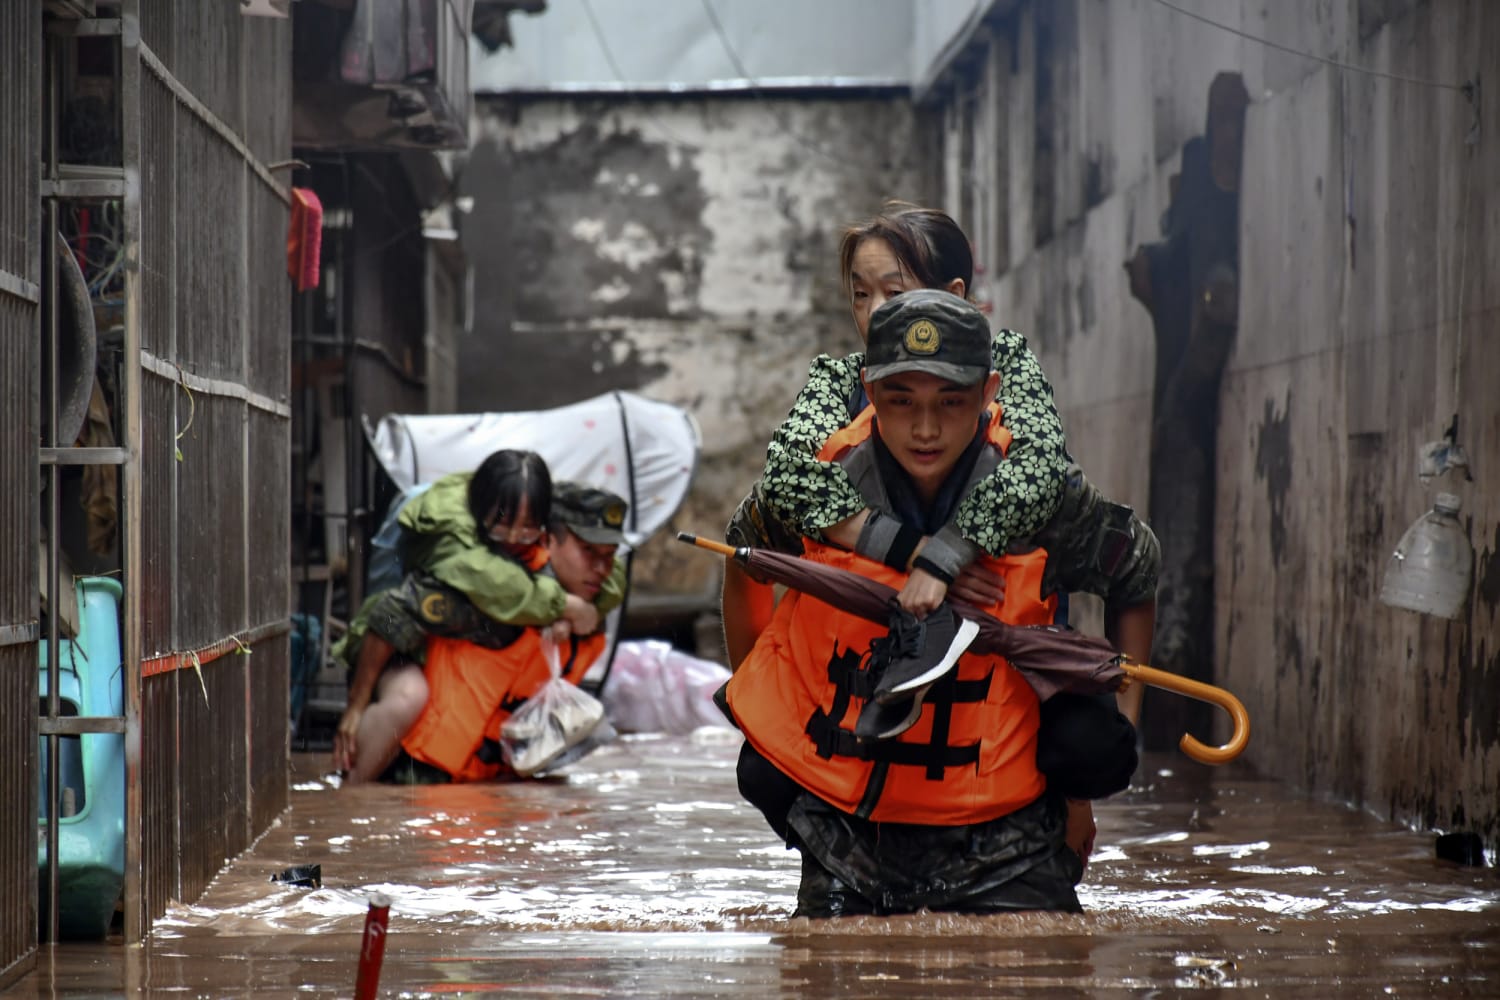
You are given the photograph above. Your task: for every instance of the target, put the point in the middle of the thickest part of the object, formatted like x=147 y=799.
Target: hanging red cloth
x=304 y=239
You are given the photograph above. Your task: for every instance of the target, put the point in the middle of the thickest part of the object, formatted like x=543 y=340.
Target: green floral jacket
x=1023 y=493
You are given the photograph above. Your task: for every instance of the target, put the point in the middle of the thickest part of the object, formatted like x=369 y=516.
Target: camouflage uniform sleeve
x=801 y=492
x=1023 y=492
x=1134 y=582
x=1098 y=547
x=753 y=526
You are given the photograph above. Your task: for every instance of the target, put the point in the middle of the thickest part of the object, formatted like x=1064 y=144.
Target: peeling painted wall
x=1370 y=234
x=684 y=248
x=1371 y=226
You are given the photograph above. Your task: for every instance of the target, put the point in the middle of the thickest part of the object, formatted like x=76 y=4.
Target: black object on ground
x=305 y=876
x=1465 y=848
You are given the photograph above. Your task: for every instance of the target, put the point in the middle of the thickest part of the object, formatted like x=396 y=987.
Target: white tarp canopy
x=640 y=448
x=678 y=46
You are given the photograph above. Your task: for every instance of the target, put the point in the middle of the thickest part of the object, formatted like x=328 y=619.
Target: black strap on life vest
x=851 y=677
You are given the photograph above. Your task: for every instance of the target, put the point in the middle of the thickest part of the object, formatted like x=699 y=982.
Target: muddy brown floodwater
x=641 y=873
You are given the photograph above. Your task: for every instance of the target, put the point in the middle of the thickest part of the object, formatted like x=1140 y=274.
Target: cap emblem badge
x=922 y=337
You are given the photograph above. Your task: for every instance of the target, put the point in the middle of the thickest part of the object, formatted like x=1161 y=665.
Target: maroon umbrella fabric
x=1052 y=659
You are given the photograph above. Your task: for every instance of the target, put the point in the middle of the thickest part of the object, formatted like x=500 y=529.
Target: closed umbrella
x=1052 y=659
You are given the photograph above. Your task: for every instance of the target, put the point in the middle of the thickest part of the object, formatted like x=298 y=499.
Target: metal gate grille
x=215 y=94
x=201 y=103
x=20 y=81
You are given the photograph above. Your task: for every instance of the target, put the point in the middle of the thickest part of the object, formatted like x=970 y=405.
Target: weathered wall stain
x=1478 y=695
x=597 y=360
x=1085 y=299
x=1273 y=465
x=1488 y=567
x=1391 y=709
x=684 y=248
x=1185 y=281
x=1365 y=543
x=605 y=221
x=1093 y=181
x=1288 y=652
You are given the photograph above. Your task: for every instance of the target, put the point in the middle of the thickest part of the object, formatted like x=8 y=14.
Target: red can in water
x=372 y=947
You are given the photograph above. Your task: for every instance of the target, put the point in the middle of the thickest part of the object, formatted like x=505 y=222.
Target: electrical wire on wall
x=776 y=113
x=1449 y=454
x=739 y=67
x=614 y=67
x=1465 y=88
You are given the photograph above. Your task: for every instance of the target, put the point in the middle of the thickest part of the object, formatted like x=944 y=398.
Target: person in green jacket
x=470 y=548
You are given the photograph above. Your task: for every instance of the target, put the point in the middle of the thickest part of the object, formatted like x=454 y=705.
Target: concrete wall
x=936 y=25
x=683 y=248
x=1367 y=319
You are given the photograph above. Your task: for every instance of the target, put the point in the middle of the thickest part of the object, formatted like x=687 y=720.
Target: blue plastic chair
x=91 y=768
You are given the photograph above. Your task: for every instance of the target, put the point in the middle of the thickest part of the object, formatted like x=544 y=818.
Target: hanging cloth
x=304 y=239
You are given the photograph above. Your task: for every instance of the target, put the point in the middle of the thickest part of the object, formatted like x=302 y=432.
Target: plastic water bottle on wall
x=1430 y=570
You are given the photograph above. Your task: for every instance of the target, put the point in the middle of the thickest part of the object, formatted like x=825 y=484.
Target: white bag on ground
x=557 y=717
x=603 y=733
x=654 y=688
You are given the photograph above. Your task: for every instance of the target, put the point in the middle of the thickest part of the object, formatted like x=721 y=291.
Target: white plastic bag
x=603 y=733
x=557 y=717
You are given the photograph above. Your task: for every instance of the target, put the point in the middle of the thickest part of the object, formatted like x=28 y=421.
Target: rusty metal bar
x=214 y=386
x=186 y=99
x=98 y=26
x=54 y=522
x=14 y=284
x=78 y=725
x=182 y=245
x=51 y=455
x=376 y=350
x=15 y=635
x=200 y=656
x=246 y=499
x=83 y=182
x=22 y=78
x=54 y=486
x=84 y=189
x=132 y=561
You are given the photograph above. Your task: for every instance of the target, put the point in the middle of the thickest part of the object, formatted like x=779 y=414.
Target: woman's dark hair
x=927 y=242
x=502 y=481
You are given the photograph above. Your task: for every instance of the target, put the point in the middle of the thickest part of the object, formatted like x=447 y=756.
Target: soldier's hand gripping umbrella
x=1052 y=659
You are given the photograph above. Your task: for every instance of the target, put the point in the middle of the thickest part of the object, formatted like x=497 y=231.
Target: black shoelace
x=906 y=638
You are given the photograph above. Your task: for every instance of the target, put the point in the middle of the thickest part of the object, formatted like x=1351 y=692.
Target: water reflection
x=640 y=872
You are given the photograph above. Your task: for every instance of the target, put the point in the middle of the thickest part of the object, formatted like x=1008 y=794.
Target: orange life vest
x=472 y=690
x=971 y=757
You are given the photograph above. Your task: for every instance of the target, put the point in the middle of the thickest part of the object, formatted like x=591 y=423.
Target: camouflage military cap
x=597 y=516
x=931 y=331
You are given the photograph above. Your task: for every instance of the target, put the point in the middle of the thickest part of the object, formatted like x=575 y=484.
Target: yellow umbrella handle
x=1200 y=752
x=1137 y=671
x=709 y=544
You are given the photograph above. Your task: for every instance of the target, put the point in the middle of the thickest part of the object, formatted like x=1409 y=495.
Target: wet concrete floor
x=641 y=873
